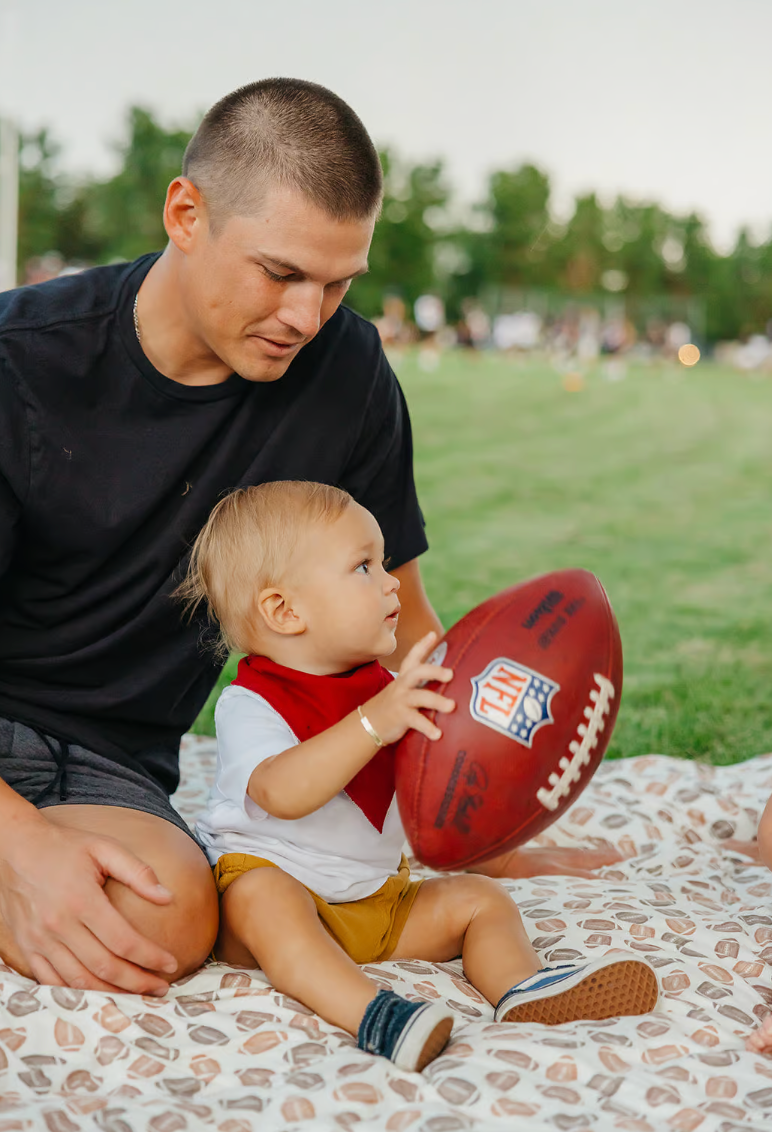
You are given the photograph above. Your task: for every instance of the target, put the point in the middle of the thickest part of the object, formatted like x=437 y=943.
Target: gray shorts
x=48 y=772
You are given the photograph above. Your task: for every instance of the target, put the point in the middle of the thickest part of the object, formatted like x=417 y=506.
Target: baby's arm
x=305 y=777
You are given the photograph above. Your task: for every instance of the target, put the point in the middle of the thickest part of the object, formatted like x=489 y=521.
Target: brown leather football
x=537 y=678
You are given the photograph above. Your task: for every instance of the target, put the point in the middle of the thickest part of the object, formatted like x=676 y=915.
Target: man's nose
x=302 y=308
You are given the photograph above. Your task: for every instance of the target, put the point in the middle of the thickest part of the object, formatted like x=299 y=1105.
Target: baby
x=302 y=825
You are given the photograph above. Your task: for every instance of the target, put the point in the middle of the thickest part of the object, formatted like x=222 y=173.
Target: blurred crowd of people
x=580 y=332
x=577 y=337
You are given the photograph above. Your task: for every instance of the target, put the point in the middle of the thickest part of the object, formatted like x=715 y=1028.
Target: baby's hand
x=399 y=706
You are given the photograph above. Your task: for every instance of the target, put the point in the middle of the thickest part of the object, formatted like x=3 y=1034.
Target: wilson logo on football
x=512 y=699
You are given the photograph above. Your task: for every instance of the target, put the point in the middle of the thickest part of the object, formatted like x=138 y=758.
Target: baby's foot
x=410 y=1034
x=600 y=988
x=760 y=1041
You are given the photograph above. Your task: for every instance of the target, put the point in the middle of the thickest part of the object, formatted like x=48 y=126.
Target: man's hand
x=53 y=904
x=400 y=706
x=557 y=861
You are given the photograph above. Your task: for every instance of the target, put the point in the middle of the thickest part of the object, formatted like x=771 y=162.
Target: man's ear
x=184 y=213
x=278 y=613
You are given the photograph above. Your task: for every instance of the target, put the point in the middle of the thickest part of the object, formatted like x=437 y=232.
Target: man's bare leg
x=186 y=926
x=534 y=861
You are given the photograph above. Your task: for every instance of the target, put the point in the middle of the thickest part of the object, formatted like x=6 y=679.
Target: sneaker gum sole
x=435 y=1043
x=619 y=989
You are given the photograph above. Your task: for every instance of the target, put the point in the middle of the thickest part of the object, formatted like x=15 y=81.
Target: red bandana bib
x=310 y=704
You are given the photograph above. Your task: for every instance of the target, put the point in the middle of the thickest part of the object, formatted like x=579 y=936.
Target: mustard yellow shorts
x=368 y=930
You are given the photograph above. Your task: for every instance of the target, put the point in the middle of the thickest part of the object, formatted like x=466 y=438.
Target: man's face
x=259 y=287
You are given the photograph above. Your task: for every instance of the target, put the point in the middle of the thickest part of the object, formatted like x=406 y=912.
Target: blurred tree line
x=422 y=243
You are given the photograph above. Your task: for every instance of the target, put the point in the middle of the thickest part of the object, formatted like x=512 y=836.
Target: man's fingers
x=44 y=972
x=119 y=863
x=103 y=964
x=117 y=935
x=62 y=969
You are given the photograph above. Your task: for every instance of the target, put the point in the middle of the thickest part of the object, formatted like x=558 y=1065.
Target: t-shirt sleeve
x=249 y=731
x=379 y=473
x=14 y=461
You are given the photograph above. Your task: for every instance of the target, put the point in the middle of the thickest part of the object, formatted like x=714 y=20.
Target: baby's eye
x=363 y=568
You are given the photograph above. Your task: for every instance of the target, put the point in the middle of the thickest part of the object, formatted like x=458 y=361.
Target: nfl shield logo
x=512 y=699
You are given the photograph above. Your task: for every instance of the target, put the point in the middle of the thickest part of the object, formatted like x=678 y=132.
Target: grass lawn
x=659 y=483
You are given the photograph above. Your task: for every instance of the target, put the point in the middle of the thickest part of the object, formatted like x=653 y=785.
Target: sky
x=666 y=100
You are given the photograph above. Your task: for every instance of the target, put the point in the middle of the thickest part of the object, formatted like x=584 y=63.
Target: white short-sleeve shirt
x=335 y=851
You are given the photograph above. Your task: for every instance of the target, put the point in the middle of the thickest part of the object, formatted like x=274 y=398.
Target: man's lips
x=276 y=346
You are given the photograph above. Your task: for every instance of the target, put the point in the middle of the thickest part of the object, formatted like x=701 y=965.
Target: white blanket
x=224 y=1051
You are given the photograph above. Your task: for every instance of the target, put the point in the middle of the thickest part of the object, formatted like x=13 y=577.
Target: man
x=131 y=398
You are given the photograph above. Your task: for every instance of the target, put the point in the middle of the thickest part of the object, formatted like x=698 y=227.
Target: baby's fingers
x=425 y=726
x=419 y=652
x=433 y=701
x=429 y=674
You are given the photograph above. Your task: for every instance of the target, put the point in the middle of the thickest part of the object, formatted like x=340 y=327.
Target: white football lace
x=580 y=751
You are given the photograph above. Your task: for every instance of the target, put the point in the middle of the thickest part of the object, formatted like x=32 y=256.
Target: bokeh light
x=688 y=354
x=573 y=382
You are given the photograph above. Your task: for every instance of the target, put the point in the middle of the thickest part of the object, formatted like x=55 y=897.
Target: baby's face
x=346 y=597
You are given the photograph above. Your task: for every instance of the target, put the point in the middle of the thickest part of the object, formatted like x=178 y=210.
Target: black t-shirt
x=108 y=470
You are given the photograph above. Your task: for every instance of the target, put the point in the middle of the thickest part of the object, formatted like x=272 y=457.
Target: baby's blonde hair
x=246 y=545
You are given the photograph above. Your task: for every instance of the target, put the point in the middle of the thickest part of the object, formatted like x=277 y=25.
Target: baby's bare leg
x=269 y=918
x=475 y=917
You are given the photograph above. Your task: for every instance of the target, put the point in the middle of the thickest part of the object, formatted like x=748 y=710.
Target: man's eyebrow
x=295 y=270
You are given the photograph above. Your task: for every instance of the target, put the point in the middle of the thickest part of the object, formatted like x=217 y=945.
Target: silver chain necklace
x=136 y=318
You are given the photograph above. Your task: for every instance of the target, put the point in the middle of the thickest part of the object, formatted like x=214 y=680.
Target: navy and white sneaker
x=410 y=1034
x=610 y=987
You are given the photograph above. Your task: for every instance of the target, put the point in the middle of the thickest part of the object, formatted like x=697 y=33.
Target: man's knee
x=187 y=927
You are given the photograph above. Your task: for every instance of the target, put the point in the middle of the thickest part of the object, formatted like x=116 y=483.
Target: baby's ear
x=277 y=613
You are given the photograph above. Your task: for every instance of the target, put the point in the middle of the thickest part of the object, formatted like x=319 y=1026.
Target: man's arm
x=56 y=921
x=417 y=617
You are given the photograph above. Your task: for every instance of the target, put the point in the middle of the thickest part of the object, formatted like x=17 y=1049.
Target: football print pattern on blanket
x=224 y=1051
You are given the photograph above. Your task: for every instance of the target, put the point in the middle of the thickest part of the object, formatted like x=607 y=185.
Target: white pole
x=10 y=88
x=9 y=202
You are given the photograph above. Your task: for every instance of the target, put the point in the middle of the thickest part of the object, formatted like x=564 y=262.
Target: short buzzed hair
x=289 y=133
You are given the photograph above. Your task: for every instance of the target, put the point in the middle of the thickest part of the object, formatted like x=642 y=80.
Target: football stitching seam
x=572 y=768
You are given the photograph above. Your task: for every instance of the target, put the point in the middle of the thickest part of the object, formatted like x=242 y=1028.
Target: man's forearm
x=417 y=617
x=16 y=813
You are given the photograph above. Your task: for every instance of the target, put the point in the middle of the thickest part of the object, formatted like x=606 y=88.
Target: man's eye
x=386 y=564
x=274 y=276
x=363 y=567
